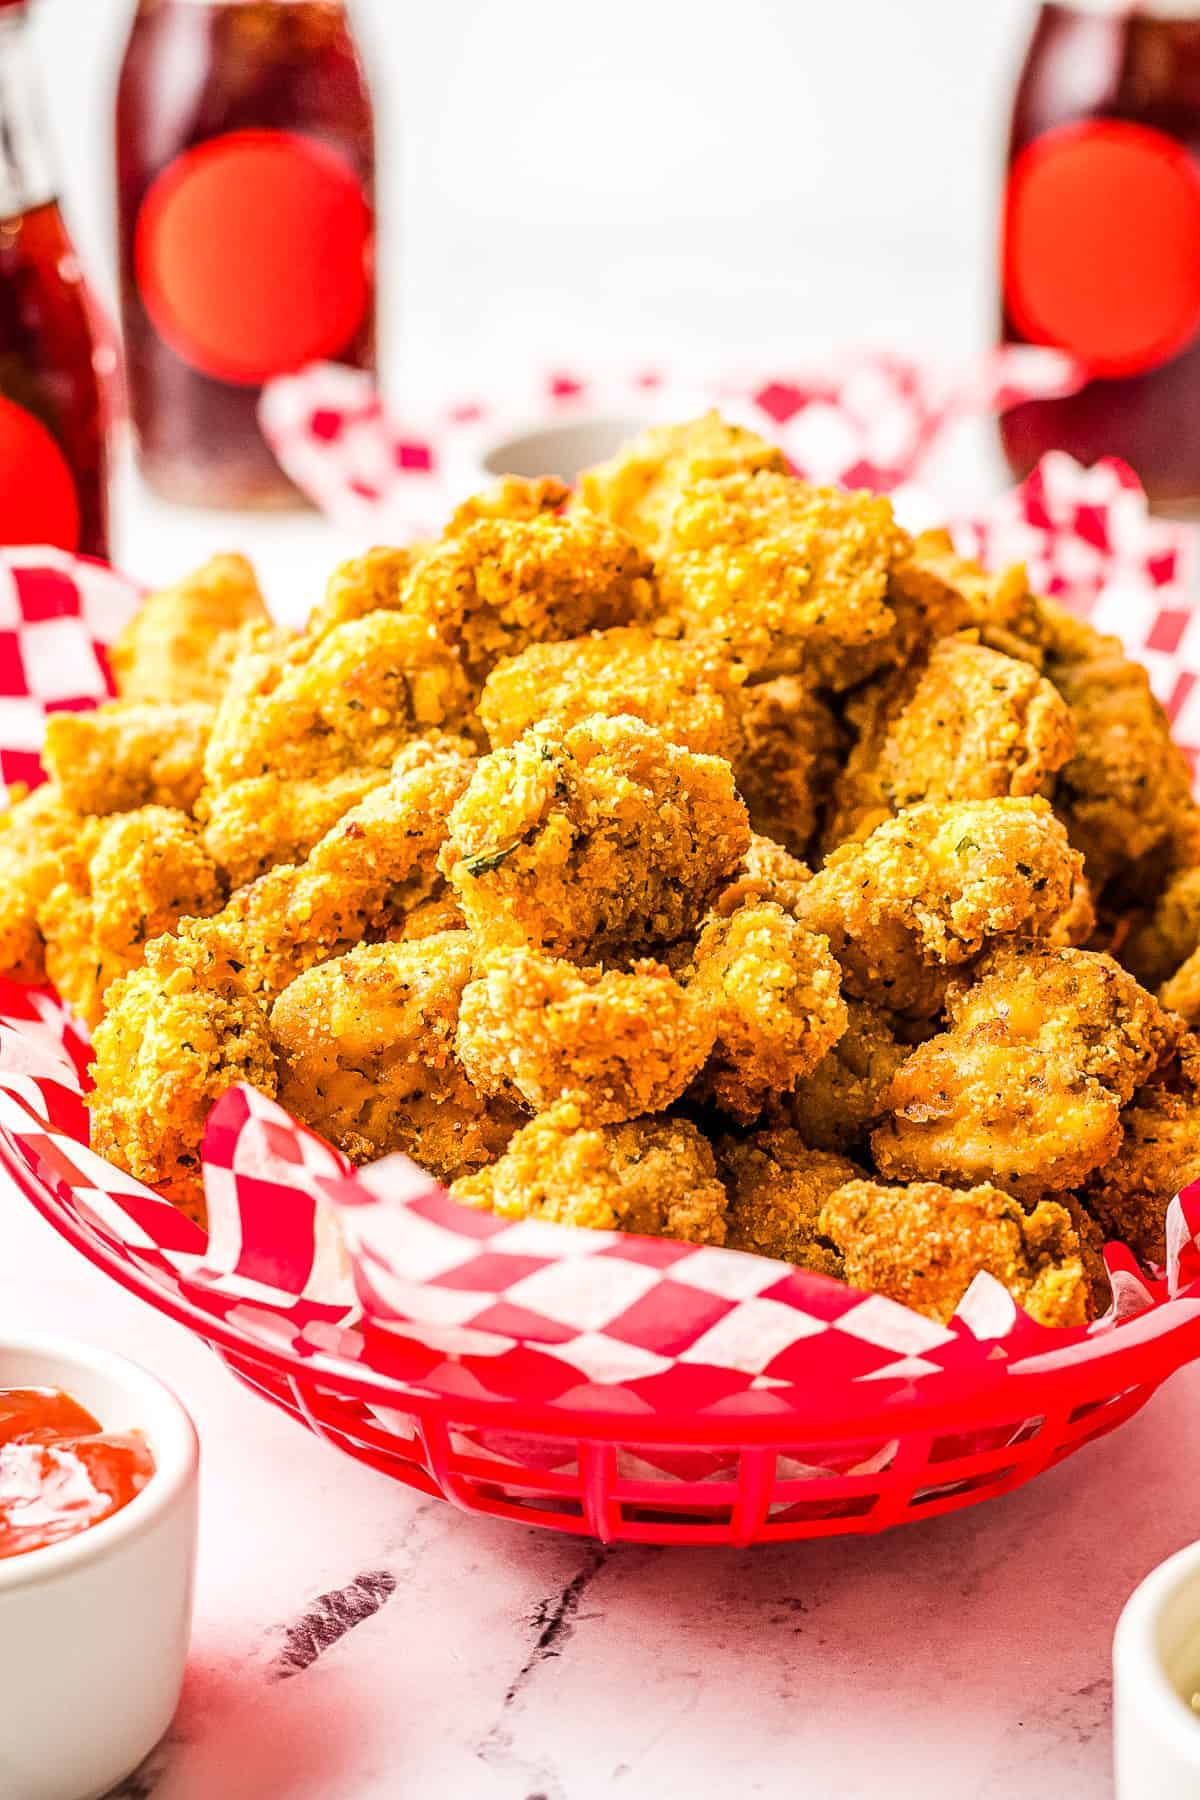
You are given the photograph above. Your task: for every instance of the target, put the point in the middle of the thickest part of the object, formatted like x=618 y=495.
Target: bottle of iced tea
x=245 y=170
x=1101 y=237
x=53 y=454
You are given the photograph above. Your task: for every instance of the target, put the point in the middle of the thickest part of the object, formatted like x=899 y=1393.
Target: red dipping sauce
x=60 y=1472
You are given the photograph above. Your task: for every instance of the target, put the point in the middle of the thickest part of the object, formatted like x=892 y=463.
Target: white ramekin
x=94 y=1631
x=562 y=448
x=1156 y=1670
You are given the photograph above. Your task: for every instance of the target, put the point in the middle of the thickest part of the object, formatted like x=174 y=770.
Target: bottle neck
x=26 y=172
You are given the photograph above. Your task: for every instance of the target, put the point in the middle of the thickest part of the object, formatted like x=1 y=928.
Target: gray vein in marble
x=328 y=1619
x=554 y=1616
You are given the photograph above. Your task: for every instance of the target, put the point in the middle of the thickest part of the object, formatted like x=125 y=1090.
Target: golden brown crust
x=620 y=1042
x=179 y=645
x=773 y=992
x=256 y=824
x=373 y=582
x=129 y=754
x=366 y=1046
x=504 y=584
x=792 y=743
x=685 y=691
x=1159 y=1154
x=929 y=889
x=364 y=876
x=176 y=1036
x=968 y=724
x=791 y=579
x=640 y=487
x=766 y=872
x=924 y=1244
x=656 y=1177
x=43 y=843
x=777 y=1187
x=835 y=1106
x=355 y=698
x=605 y=834
x=1026 y=1085
x=512 y=497
x=148 y=870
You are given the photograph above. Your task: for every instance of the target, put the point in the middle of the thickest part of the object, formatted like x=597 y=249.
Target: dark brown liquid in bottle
x=47 y=366
x=195 y=70
x=1085 y=64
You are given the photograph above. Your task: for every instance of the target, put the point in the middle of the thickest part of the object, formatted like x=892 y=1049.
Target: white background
x=645 y=177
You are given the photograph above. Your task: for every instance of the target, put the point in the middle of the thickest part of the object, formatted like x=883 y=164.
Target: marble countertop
x=354 y=1641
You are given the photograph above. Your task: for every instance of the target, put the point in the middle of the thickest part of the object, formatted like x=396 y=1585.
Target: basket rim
x=1129 y=1359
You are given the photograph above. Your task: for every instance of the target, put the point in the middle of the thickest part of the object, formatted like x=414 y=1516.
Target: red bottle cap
x=252 y=254
x=1102 y=244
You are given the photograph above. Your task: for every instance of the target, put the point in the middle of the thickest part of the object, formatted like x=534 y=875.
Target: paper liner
x=377 y=1274
x=861 y=420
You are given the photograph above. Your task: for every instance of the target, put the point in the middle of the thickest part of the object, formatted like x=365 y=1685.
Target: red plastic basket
x=834 y=1464
x=829 y=1457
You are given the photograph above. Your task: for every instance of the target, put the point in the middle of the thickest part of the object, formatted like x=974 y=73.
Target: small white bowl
x=94 y=1630
x=1156 y=1670
x=563 y=449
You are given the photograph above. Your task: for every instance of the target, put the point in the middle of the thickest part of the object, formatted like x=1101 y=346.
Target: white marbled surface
x=967 y=1657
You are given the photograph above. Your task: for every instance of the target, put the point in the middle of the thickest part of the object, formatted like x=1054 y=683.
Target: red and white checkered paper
x=862 y=420
x=378 y=1268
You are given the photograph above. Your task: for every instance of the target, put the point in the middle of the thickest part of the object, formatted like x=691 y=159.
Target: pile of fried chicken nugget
x=694 y=854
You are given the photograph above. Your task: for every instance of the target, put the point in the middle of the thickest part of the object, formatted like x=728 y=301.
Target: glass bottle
x=245 y=176
x=1101 y=237
x=53 y=450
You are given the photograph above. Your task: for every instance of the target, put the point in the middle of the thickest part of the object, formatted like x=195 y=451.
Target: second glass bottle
x=245 y=172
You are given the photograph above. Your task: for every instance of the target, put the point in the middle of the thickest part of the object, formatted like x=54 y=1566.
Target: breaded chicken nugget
x=773 y=990
x=766 y=872
x=512 y=497
x=1025 y=1086
x=923 y=1245
x=148 y=870
x=640 y=487
x=686 y=691
x=503 y=584
x=366 y=1056
x=607 y=833
x=656 y=1177
x=1181 y=994
x=790 y=760
x=1159 y=1154
x=789 y=579
x=126 y=755
x=178 y=1033
x=179 y=645
x=43 y=842
x=376 y=864
x=364 y=691
x=969 y=724
x=777 y=1187
x=1127 y=786
x=835 y=1106
x=373 y=582
x=928 y=889
x=266 y=820
x=619 y=1041
x=951 y=591
x=1161 y=943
